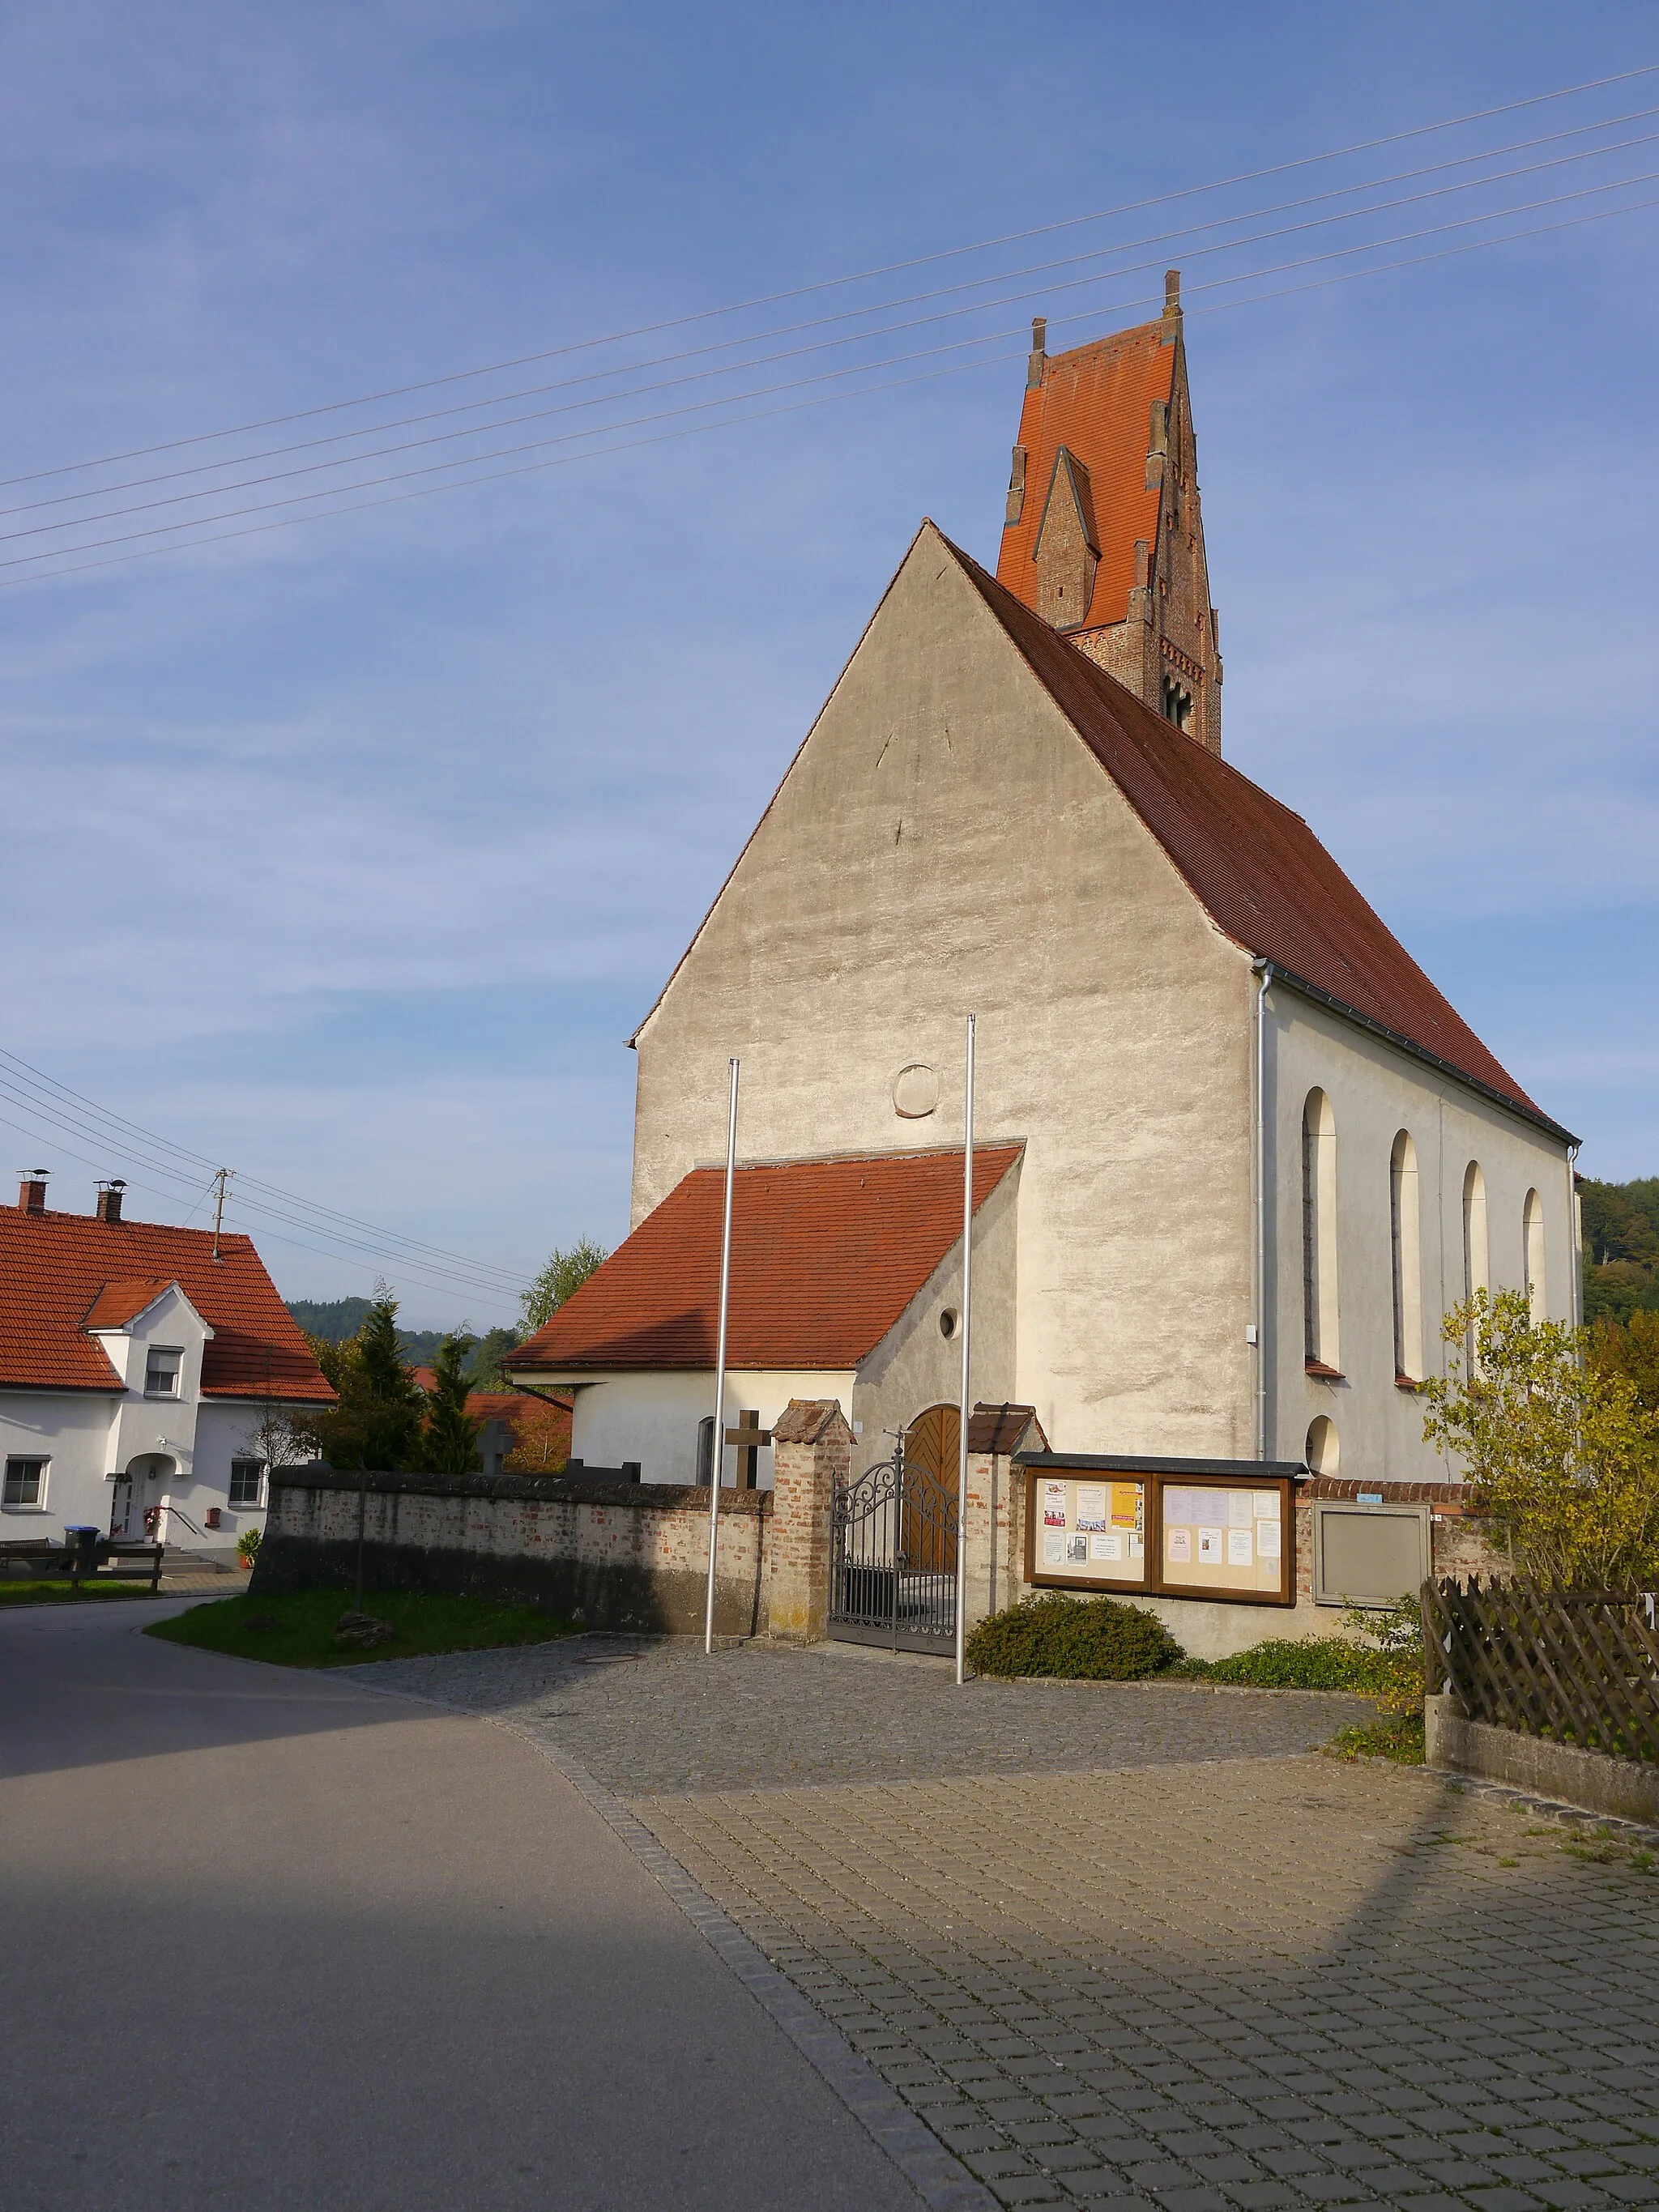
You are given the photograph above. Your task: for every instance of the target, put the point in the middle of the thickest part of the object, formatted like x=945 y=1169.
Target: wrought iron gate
x=893 y=1558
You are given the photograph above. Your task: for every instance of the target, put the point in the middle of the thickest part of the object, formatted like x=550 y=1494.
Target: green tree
x=449 y=1440
x=1631 y=1349
x=377 y=1422
x=1562 y=1456
x=483 y=1367
x=564 y=1275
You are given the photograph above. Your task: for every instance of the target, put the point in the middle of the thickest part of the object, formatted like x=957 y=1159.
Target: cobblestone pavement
x=1116 y=1949
x=1259 y=1984
x=757 y=1717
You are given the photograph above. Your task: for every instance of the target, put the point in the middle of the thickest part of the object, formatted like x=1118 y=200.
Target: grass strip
x=299 y=1630
x=60 y=1590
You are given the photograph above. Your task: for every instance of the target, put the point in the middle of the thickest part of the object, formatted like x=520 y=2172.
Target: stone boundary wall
x=1622 y=1789
x=617 y=1555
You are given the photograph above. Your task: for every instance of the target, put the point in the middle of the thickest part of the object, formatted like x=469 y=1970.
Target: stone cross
x=749 y=1436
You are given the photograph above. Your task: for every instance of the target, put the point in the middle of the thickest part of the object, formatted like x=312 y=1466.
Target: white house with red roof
x=1241 y=1153
x=144 y=1372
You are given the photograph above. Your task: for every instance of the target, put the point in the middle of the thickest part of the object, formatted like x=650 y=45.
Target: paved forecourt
x=1131 y=1946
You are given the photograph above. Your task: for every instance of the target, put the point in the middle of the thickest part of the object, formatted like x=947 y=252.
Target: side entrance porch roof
x=826 y=1255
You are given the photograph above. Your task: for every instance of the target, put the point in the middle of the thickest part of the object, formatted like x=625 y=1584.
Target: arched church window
x=1532 y=1238
x=1319 y=1232
x=1476 y=1275
x=1177 y=702
x=1323 y=1450
x=1406 y=1259
x=705 y=1449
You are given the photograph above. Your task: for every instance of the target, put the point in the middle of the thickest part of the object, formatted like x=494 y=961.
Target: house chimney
x=1039 y=352
x=32 y=1191
x=109 y=1199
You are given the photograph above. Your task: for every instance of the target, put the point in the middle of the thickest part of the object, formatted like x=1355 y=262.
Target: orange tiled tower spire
x=1103 y=536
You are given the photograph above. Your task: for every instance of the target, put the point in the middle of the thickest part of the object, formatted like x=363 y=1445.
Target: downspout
x=1575 y=1242
x=1258 y=1333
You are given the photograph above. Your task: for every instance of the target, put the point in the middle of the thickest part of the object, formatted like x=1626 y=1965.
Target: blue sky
x=350 y=853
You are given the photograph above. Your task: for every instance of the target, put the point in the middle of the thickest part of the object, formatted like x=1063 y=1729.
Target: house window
x=1407 y=1260
x=248 y=1482
x=1532 y=1229
x=26 y=1482
x=162 y=1374
x=1319 y=1232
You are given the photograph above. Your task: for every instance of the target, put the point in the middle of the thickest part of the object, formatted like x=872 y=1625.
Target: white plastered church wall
x=1375 y=1090
x=945 y=841
x=653 y=1418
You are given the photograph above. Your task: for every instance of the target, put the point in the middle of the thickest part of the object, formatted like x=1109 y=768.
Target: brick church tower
x=1103 y=535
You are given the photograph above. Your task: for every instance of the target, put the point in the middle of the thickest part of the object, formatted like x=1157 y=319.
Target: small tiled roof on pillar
x=1000 y=1430
x=806 y=1420
x=826 y=1255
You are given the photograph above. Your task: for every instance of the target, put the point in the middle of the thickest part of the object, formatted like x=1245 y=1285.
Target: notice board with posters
x=1169 y=1527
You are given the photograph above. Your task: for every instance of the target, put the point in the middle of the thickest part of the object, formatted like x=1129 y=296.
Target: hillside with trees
x=338 y=1321
x=1621 y=1248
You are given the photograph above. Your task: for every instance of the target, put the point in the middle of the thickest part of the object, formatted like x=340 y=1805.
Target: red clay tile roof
x=117 y=1304
x=1096 y=401
x=826 y=1255
x=1256 y=868
x=56 y=1269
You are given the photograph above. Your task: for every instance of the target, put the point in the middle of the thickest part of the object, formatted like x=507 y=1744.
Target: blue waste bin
x=81 y=1545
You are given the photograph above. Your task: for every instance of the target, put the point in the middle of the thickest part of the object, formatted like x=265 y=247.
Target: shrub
x=1388 y=1666
x=248 y=1546
x=1318 y=1663
x=1095 y=1639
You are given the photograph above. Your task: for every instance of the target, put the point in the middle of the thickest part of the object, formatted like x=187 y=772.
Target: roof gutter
x=1524 y=1113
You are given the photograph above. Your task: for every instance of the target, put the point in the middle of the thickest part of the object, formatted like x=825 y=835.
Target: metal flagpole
x=717 y=1457
x=967 y=1340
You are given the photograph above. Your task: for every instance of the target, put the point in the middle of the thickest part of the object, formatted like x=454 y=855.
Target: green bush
x=1095 y=1639
x=1315 y=1662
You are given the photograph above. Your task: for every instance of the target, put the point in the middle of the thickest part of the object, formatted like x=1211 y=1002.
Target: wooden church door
x=932 y=1454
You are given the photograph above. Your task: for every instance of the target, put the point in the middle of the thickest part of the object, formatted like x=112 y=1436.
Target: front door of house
x=121 y=1508
x=136 y=1493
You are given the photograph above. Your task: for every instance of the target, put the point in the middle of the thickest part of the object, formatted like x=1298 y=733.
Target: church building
x=1236 y=1154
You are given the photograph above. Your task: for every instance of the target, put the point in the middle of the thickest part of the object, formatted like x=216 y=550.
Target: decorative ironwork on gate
x=893 y=1557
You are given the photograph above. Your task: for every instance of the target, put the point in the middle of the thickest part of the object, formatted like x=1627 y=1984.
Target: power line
x=59 y=1109
x=823 y=322
x=823 y=399
x=35 y=561
x=832 y=284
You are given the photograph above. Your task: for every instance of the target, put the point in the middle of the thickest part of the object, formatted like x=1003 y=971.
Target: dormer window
x=1177 y=702
x=162 y=1373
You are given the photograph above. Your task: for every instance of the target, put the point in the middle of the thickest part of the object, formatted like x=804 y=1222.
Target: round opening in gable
x=947 y=1321
x=915 y=1092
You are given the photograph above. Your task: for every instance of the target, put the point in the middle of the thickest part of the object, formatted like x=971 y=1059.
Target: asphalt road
x=270 y=1940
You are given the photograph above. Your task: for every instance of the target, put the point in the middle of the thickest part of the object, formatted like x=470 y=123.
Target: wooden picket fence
x=1582 y=1669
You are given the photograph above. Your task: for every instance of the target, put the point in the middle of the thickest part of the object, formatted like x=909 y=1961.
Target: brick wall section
x=812 y=1450
x=1457 y=1544
x=608 y=1555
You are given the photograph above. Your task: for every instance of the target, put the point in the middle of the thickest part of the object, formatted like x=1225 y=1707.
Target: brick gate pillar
x=812 y=1447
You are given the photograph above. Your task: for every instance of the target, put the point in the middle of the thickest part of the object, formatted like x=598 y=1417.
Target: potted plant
x=247 y=1549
